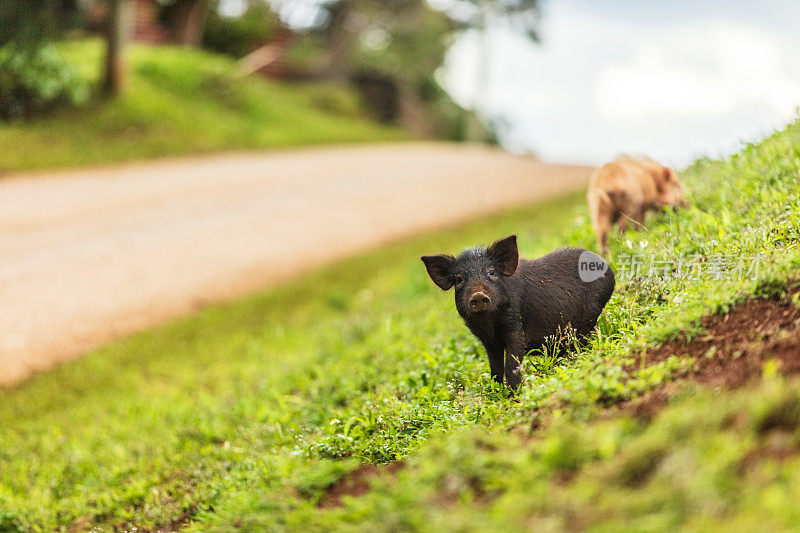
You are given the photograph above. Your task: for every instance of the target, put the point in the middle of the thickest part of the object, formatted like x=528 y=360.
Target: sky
x=671 y=79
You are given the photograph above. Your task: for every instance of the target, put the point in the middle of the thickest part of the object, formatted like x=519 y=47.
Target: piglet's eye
x=491 y=272
x=459 y=279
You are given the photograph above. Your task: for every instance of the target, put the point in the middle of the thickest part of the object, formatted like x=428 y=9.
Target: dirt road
x=88 y=256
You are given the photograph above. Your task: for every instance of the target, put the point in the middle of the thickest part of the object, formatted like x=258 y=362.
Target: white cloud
x=699 y=72
x=646 y=77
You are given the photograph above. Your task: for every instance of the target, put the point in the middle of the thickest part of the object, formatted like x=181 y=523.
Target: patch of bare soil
x=356 y=483
x=733 y=350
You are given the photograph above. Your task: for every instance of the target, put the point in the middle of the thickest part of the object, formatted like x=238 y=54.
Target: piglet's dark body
x=513 y=305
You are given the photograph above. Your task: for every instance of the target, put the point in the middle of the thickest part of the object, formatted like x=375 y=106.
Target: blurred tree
x=117 y=29
x=391 y=49
x=403 y=43
x=402 y=37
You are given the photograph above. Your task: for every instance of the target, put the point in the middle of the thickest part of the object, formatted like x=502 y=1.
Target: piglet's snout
x=479 y=302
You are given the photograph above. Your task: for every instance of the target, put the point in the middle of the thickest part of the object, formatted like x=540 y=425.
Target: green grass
x=242 y=415
x=181 y=101
x=691 y=469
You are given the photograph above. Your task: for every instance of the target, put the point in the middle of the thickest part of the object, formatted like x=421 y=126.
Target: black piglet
x=513 y=305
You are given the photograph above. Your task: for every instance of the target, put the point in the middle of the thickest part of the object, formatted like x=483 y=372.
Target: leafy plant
x=33 y=80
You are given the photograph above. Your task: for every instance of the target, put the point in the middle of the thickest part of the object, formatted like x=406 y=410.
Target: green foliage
x=243 y=415
x=405 y=40
x=182 y=101
x=238 y=36
x=400 y=44
x=35 y=80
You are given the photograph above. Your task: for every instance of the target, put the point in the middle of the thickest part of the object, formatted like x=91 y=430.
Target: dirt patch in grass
x=356 y=483
x=733 y=350
x=738 y=343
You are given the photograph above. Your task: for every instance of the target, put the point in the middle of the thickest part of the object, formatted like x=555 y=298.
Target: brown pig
x=626 y=189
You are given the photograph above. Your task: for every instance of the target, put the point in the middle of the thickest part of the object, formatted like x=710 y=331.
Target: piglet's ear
x=439 y=269
x=505 y=255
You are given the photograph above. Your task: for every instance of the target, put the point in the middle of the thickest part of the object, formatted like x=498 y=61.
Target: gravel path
x=91 y=255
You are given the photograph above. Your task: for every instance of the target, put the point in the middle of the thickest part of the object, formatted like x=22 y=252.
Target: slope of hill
x=183 y=101
x=260 y=415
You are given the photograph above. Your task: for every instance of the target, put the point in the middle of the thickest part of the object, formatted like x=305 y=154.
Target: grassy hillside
x=183 y=101
x=257 y=415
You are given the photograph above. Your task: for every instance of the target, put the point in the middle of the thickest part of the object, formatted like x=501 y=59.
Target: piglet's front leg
x=494 y=352
x=515 y=353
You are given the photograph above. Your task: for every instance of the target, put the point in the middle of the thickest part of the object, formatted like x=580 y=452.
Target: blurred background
x=566 y=80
